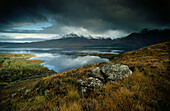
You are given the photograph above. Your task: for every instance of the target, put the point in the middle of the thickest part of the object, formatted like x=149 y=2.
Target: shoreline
x=17 y=69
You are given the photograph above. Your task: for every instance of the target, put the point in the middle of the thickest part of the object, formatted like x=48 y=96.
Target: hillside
x=142 y=39
x=131 y=42
x=14 y=68
x=146 y=89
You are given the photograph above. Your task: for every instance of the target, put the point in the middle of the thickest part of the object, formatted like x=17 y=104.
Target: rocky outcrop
x=88 y=85
x=108 y=73
x=97 y=74
x=114 y=72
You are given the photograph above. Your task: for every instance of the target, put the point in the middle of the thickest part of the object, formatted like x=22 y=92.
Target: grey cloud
x=95 y=15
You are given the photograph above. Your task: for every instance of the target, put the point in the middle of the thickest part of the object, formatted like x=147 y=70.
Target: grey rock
x=97 y=74
x=108 y=73
x=114 y=72
x=88 y=85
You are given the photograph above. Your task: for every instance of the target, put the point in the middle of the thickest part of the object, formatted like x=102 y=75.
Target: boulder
x=114 y=72
x=88 y=85
x=108 y=73
x=97 y=74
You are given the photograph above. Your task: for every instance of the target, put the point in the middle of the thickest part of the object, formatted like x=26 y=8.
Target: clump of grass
x=35 y=104
x=73 y=95
x=71 y=107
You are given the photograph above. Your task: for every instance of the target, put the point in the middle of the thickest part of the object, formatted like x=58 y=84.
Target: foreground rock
x=88 y=85
x=108 y=73
x=114 y=72
x=96 y=73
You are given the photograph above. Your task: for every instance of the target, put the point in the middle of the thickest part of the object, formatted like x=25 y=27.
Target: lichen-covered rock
x=97 y=74
x=108 y=73
x=88 y=85
x=114 y=72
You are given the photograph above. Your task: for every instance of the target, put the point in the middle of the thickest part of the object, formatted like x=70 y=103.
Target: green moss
x=18 y=69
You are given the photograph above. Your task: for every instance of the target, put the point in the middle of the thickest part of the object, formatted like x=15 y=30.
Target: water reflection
x=58 y=61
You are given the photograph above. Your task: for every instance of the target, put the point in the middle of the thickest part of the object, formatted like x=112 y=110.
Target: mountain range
x=73 y=35
x=73 y=41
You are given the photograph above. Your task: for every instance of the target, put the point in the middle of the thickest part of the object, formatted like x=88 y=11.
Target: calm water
x=58 y=60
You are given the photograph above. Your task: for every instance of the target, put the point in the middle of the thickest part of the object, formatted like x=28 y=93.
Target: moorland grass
x=146 y=89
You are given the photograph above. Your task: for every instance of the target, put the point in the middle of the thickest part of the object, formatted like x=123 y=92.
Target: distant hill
x=144 y=38
x=131 y=42
x=68 y=41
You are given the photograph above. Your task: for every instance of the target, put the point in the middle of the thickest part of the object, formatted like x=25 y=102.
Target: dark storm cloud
x=95 y=15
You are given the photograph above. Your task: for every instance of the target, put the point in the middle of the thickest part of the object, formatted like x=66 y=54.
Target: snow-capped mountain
x=73 y=35
x=70 y=35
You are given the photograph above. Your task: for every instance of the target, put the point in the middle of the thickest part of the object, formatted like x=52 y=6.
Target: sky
x=37 y=20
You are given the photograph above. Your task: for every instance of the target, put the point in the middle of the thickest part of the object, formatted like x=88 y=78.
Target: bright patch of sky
x=26 y=37
x=37 y=26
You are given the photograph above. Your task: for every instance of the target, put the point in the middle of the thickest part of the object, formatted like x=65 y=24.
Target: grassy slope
x=146 y=89
x=15 y=68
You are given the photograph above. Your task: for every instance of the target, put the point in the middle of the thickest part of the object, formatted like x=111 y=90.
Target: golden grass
x=146 y=89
